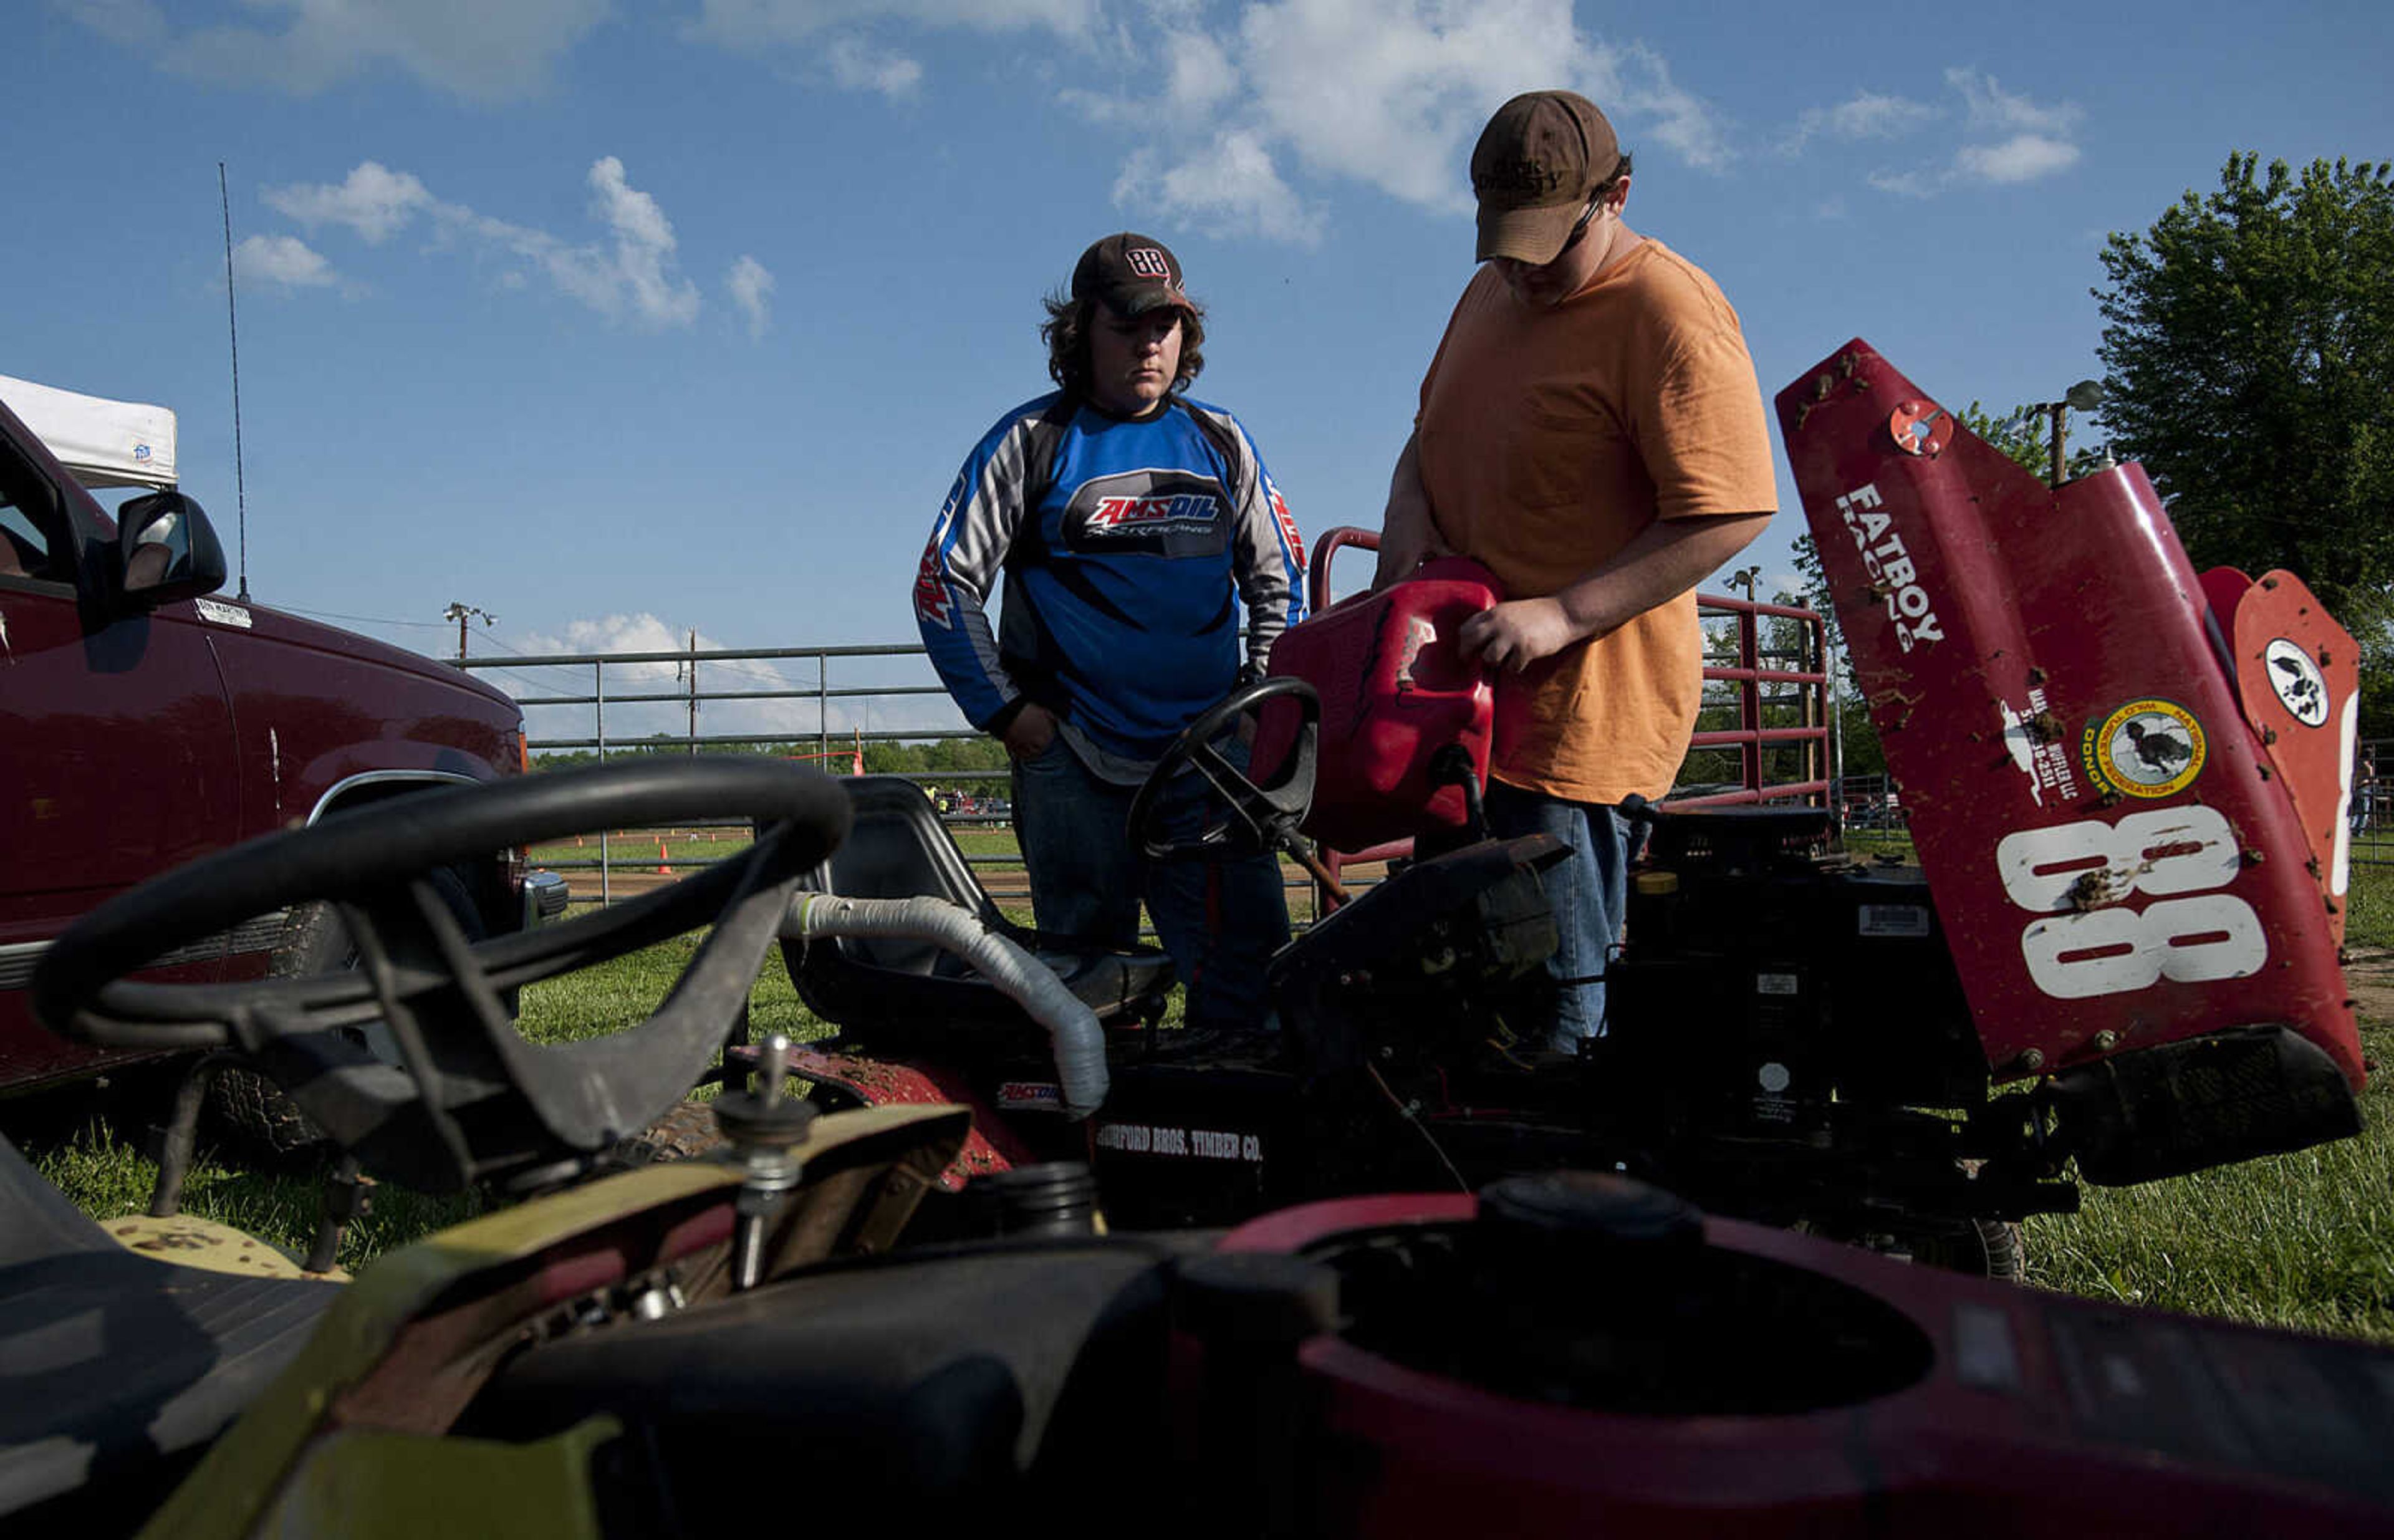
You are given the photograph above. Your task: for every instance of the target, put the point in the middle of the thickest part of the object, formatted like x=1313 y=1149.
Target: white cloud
x=376 y=201
x=1393 y=96
x=1633 y=85
x=1868 y=115
x=2021 y=158
x=1201 y=75
x=1388 y=93
x=859 y=66
x=751 y=291
x=471 y=48
x=1909 y=184
x=1995 y=109
x=633 y=274
x=741 y=24
x=282 y=259
x=644 y=246
x=2013 y=139
x=1231 y=185
x=135 y=23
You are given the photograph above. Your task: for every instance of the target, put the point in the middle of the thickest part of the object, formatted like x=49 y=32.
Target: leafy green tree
x=2249 y=358
x=2026 y=437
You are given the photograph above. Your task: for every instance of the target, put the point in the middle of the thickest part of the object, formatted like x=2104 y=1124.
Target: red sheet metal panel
x=2031 y=1413
x=881 y=1083
x=2113 y=851
x=2298 y=673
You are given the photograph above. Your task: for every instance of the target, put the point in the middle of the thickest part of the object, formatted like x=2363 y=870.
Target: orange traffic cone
x=665 y=861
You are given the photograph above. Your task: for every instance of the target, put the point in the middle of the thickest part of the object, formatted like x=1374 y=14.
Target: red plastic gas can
x=1394 y=691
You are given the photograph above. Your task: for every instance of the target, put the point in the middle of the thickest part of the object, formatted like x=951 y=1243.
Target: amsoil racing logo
x=1160 y=512
x=1188 y=507
x=933 y=604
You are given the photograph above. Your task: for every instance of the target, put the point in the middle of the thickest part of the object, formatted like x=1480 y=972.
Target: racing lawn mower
x=679 y=1349
x=2119 y=946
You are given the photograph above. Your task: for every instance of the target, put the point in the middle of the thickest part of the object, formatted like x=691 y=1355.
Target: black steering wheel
x=472 y=1101
x=1253 y=815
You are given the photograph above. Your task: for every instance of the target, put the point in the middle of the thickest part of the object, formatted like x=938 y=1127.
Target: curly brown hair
x=1619 y=169
x=1066 y=331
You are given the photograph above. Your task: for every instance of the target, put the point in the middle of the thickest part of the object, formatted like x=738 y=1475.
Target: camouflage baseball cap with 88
x=1537 y=163
x=1131 y=273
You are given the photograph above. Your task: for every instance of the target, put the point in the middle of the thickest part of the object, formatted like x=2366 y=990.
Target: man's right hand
x=1032 y=731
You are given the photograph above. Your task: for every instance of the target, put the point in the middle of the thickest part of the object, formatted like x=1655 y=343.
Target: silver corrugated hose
x=1072 y=1031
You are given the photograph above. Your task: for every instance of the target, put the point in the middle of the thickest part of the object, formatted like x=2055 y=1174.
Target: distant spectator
x=2364 y=791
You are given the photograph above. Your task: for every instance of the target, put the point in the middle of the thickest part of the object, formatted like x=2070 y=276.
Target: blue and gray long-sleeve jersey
x=1123 y=542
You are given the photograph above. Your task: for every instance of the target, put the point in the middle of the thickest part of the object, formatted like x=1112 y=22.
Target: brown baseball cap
x=1132 y=273
x=1538 y=161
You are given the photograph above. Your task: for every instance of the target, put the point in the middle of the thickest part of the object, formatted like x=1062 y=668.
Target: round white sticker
x=2300 y=685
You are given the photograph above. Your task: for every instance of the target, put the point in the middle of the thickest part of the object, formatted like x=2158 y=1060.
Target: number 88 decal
x=2105 y=948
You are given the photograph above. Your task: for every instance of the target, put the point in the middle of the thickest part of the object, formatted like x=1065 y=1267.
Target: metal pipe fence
x=1763 y=731
x=1764 y=726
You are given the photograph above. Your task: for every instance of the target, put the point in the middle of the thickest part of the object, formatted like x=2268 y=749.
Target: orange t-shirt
x=1547 y=440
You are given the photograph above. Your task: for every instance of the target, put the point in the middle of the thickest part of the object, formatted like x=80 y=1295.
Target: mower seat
x=117 y=1370
x=895 y=993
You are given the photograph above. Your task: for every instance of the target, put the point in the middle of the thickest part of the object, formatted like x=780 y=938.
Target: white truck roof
x=102 y=442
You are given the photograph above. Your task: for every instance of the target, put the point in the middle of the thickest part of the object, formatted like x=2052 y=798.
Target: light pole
x=2085 y=396
x=462 y=614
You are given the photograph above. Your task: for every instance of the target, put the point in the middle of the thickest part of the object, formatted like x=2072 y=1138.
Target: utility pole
x=461 y=613
x=2085 y=396
x=693 y=692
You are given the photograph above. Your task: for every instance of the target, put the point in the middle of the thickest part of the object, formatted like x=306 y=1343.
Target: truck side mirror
x=168 y=548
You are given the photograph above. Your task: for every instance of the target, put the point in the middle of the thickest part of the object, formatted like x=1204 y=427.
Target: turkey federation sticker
x=2146 y=748
x=2301 y=688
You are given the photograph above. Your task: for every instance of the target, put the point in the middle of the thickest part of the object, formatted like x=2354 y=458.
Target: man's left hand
x=1517 y=633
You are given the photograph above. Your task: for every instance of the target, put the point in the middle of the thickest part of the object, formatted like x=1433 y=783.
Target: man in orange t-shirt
x=1591 y=429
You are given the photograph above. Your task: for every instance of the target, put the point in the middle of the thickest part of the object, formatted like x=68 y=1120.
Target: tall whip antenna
x=233 y=329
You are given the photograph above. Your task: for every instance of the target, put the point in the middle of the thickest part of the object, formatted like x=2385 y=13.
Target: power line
x=363 y=620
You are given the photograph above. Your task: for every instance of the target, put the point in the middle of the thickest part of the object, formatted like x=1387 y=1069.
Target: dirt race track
x=1006 y=883
x=2369 y=974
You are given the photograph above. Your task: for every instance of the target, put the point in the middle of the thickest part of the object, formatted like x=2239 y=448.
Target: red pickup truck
x=143 y=723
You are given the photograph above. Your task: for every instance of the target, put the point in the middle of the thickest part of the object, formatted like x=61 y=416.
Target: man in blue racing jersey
x=1132 y=525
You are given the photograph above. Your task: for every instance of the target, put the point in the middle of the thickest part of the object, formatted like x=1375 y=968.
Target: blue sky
x=618 y=321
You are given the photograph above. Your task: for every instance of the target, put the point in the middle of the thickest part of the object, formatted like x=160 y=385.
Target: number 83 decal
x=2083 y=872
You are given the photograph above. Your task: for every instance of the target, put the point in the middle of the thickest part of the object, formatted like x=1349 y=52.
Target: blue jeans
x=1588 y=893
x=1221 y=921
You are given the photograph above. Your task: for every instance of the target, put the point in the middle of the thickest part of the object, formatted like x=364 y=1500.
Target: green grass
x=106 y=1177
x=2369 y=907
x=2304 y=1240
